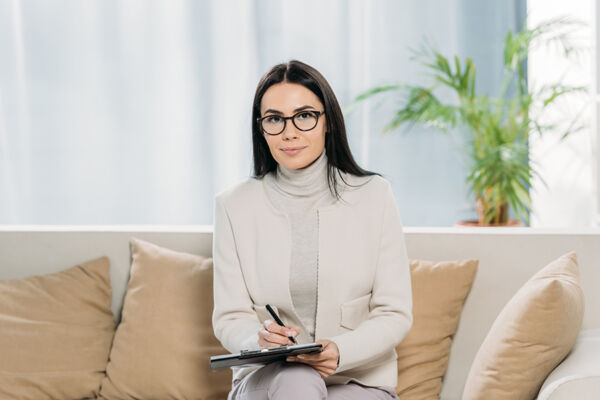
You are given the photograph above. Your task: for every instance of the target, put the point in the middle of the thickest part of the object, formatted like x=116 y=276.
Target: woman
x=320 y=240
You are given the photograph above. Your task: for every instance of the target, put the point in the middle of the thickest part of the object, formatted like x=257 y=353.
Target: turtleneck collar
x=304 y=182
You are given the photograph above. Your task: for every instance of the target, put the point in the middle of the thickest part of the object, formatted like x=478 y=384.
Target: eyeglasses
x=304 y=121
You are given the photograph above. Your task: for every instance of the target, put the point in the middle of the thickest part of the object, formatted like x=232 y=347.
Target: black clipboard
x=263 y=356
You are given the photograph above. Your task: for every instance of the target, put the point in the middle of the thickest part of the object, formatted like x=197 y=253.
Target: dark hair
x=336 y=142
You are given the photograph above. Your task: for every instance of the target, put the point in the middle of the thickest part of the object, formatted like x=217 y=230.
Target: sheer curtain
x=138 y=112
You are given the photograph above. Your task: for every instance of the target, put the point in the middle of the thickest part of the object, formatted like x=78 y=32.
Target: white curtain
x=138 y=112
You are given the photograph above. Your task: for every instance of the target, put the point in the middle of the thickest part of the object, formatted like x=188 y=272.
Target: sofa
x=508 y=257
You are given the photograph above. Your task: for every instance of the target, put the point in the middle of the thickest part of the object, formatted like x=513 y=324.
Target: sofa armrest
x=578 y=375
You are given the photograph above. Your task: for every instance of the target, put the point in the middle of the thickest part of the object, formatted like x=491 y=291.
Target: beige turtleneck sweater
x=298 y=193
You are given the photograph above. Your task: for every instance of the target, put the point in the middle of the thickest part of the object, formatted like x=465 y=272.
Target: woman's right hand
x=274 y=335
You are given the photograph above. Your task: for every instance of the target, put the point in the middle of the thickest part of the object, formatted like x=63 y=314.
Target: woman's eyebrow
x=270 y=110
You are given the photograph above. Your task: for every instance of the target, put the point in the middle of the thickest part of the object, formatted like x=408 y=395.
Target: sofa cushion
x=164 y=340
x=439 y=290
x=55 y=333
x=532 y=334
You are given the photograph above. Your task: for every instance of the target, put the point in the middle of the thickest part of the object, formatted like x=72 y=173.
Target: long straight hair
x=336 y=142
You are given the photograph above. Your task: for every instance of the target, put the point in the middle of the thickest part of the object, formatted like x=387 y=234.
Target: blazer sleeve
x=390 y=317
x=235 y=323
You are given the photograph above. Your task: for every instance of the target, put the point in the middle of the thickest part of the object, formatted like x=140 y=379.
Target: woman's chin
x=294 y=163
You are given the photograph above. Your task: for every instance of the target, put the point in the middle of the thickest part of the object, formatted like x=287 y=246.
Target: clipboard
x=263 y=356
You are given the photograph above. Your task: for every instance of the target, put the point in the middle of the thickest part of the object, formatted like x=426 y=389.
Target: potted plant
x=498 y=127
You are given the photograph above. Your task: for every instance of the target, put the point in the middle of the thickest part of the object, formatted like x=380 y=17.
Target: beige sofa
x=508 y=257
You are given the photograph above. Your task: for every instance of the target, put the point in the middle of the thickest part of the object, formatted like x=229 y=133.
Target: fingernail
x=291 y=333
x=300 y=355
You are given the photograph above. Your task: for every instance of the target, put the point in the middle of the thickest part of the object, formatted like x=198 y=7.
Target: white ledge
x=107 y=228
x=500 y=230
x=209 y=228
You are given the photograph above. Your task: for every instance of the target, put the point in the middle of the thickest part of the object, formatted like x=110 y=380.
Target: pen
x=276 y=317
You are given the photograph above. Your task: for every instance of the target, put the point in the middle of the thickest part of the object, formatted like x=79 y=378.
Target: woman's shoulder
x=242 y=190
x=368 y=184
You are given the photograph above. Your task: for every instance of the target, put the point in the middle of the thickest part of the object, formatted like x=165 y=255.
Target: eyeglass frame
x=318 y=114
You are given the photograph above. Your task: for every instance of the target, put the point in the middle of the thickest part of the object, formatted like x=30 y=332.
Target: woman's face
x=286 y=99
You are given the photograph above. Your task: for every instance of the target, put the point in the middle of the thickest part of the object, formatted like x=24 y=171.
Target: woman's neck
x=304 y=182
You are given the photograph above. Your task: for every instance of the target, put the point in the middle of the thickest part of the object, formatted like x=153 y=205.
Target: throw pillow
x=55 y=333
x=164 y=340
x=439 y=291
x=531 y=335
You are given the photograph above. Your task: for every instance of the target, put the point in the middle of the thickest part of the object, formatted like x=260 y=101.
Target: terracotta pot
x=512 y=222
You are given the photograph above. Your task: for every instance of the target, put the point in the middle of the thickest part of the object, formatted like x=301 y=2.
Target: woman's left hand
x=324 y=362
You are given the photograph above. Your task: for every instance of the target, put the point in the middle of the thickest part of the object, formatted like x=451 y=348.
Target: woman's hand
x=324 y=362
x=274 y=335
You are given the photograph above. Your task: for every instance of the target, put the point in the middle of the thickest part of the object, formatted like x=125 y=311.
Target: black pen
x=278 y=320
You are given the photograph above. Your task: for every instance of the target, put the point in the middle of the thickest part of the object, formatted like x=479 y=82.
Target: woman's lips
x=293 y=152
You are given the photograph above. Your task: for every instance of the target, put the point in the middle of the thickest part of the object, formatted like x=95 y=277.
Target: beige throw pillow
x=439 y=291
x=164 y=340
x=55 y=333
x=531 y=335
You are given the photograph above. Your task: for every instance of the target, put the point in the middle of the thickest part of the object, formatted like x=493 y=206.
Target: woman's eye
x=273 y=120
x=304 y=115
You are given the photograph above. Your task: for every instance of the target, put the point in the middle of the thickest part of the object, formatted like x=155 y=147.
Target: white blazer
x=364 y=297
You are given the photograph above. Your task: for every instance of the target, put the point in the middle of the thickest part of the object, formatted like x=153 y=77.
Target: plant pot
x=512 y=222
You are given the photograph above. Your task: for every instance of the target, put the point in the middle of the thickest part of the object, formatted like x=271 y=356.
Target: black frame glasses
x=315 y=113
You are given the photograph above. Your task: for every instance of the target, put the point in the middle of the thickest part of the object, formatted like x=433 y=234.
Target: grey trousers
x=298 y=381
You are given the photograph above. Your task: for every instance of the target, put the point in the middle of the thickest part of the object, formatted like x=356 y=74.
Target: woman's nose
x=289 y=131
